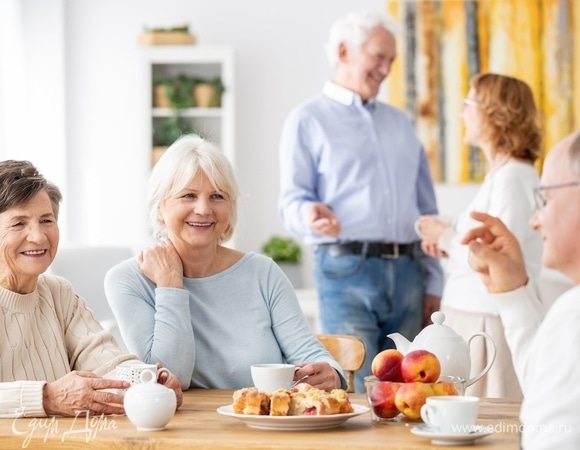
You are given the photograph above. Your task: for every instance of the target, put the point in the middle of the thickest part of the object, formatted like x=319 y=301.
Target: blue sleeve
x=427 y=204
x=293 y=333
x=154 y=323
x=297 y=175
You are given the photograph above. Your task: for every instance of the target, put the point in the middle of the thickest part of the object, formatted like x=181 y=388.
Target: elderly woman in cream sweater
x=55 y=359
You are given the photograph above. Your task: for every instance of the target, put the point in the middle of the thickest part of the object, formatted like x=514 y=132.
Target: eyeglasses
x=540 y=197
x=469 y=102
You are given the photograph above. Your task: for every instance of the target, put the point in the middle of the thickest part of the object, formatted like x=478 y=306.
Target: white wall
x=32 y=86
x=280 y=62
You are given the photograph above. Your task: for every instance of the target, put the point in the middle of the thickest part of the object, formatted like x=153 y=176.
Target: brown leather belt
x=385 y=250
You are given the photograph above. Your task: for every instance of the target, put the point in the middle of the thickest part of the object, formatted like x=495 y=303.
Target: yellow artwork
x=445 y=42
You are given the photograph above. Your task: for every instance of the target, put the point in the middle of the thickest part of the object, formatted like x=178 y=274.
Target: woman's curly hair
x=510 y=118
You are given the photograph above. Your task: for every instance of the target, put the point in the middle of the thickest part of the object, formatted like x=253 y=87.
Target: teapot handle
x=490 y=360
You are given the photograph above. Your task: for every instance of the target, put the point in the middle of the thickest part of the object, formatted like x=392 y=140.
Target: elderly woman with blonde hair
x=207 y=311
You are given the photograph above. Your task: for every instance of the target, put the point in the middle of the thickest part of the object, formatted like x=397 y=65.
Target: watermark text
x=43 y=428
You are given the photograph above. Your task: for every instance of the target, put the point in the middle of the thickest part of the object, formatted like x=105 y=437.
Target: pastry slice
x=251 y=401
x=302 y=387
x=239 y=400
x=343 y=401
x=280 y=403
x=324 y=402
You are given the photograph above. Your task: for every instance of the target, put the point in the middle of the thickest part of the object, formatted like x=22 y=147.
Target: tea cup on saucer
x=450 y=414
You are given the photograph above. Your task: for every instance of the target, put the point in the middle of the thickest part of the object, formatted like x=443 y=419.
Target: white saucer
x=451 y=438
x=292 y=423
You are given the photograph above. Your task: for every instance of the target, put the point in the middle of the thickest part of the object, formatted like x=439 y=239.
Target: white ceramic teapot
x=450 y=348
x=149 y=405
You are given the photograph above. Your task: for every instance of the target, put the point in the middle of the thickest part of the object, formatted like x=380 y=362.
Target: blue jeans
x=370 y=297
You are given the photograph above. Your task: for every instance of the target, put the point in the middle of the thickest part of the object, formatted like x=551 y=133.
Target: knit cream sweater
x=45 y=335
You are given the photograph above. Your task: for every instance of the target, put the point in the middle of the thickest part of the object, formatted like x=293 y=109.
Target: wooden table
x=198 y=425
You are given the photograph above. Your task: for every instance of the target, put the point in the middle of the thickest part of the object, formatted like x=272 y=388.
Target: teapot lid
x=437 y=329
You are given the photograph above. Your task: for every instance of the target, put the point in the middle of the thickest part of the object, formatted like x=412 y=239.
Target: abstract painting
x=443 y=43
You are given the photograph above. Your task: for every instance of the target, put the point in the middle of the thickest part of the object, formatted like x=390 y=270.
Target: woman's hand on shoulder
x=320 y=375
x=162 y=264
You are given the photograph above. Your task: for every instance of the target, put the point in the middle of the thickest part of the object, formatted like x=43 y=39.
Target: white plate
x=451 y=438
x=290 y=423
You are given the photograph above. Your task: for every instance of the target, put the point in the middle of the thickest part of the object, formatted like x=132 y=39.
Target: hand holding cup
x=269 y=377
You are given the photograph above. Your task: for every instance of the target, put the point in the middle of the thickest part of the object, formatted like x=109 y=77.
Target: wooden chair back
x=348 y=351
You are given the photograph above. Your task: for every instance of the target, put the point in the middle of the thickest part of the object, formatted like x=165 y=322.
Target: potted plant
x=208 y=93
x=282 y=250
x=173 y=92
x=177 y=35
x=286 y=253
x=165 y=132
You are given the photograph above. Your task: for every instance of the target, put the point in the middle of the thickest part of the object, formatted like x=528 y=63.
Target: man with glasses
x=544 y=346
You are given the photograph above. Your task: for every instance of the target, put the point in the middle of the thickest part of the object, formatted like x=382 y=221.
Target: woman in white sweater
x=54 y=355
x=501 y=119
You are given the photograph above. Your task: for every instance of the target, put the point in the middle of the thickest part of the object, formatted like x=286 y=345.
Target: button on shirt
x=362 y=160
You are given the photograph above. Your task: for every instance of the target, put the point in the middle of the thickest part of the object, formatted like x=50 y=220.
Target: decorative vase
x=203 y=95
x=160 y=100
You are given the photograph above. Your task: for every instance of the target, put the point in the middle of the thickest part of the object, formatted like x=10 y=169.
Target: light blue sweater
x=211 y=331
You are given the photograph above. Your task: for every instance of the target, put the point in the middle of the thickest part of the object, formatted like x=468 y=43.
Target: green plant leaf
x=178 y=90
x=282 y=249
x=168 y=130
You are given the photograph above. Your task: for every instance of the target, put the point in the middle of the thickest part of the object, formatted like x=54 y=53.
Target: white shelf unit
x=216 y=124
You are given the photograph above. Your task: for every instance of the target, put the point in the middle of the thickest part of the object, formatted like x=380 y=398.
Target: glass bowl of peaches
x=397 y=390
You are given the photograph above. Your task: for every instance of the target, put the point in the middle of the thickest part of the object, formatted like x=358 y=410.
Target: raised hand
x=323 y=221
x=495 y=254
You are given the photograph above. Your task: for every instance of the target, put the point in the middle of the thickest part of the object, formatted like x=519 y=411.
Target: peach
x=411 y=397
x=444 y=388
x=386 y=365
x=420 y=365
x=382 y=399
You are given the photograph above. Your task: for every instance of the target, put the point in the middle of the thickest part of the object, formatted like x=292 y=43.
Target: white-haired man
x=354 y=178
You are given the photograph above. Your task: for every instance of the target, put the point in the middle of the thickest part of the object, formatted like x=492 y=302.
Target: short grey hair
x=354 y=29
x=178 y=166
x=20 y=181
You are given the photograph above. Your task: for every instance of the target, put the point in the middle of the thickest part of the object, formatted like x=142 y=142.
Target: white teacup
x=269 y=377
x=450 y=414
x=132 y=372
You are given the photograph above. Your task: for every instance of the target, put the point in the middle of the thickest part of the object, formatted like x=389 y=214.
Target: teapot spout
x=401 y=342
